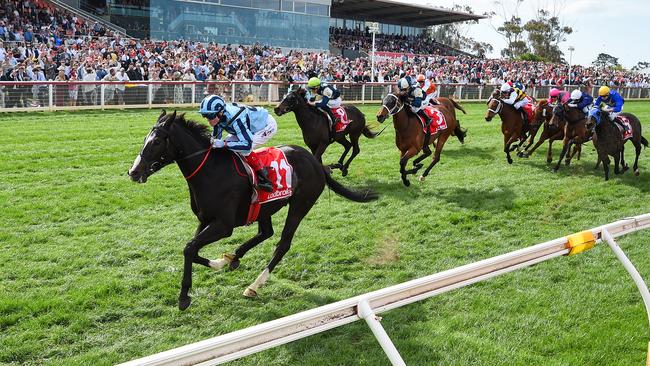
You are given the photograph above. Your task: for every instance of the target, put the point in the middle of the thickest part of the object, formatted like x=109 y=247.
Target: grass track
x=91 y=263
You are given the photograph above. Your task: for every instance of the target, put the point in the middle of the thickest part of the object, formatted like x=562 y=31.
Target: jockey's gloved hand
x=217 y=143
x=572 y=105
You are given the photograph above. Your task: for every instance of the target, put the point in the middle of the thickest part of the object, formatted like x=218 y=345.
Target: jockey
x=414 y=97
x=429 y=88
x=556 y=95
x=248 y=127
x=613 y=102
x=580 y=100
x=516 y=98
x=331 y=97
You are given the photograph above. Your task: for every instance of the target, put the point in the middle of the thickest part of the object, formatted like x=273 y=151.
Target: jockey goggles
x=209 y=116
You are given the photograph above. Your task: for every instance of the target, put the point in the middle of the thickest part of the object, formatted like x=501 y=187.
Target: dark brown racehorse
x=410 y=137
x=575 y=130
x=609 y=142
x=220 y=194
x=512 y=123
x=315 y=128
x=543 y=112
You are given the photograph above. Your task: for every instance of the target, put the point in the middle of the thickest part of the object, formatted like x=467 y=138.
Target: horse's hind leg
x=436 y=155
x=637 y=149
x=297 y=212
x=565 y=149
x=355 y=152
x=264 y=231
x=346 y=148
x=624 y=166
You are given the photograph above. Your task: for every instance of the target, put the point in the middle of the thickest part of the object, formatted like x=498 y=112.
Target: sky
x=620 y=28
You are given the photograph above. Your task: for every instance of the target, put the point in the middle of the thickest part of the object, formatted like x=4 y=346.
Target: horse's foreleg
x=355 y=152
x=426 y=151
x=541 y=140
x=297 y=212
x=264 y=231
x=406 y=155
x=507 y=145
x=319 y=151
x=624 y=166
x=572 y=153
x=565 y=148
x=637 y=150
x=212 y=232
x=605 y=160
x=436 y=156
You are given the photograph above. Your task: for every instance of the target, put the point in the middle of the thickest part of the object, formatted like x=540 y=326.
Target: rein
x=157 y=165
x=499 y=107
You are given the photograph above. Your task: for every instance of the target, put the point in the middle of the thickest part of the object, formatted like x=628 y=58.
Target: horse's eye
x=156 y=141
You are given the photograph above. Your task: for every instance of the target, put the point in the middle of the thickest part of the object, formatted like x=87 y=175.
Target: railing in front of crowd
x=73 y=95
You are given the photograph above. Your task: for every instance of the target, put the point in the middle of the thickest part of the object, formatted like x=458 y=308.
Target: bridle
x=163 y=161
x=397 y=105
x=499 y=107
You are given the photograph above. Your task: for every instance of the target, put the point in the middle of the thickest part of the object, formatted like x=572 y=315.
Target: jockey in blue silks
x=581 y=100
x=415 y=97
x=248 y=127
x=613 y=102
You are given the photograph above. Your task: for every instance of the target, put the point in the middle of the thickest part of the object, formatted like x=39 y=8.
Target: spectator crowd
x=38 y=42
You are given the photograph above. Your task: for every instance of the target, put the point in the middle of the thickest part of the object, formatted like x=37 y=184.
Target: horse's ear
x=170 y=119
x=162 y=114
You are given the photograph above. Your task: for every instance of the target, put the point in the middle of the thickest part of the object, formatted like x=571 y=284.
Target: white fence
x=62 y=95
x=247 y=341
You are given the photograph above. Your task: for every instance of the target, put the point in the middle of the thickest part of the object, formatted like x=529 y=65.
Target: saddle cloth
x=530 y=112
x=623 y=124
x=343 y=120
x=280 y=173
x=438 y=120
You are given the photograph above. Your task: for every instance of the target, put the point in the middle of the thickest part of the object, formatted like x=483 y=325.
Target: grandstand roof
x=397 y=12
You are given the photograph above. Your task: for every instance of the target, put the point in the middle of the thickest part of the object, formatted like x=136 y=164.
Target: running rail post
x=638 y=280
x=365 y=312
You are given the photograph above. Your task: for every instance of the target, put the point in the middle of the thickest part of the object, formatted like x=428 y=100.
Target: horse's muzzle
x=381 y=118
x=279 y=111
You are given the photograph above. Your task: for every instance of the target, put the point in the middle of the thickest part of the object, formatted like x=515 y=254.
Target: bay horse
x=410 y=137
x=220 y=194
x=575 y=130
x=512 y=123
x=314 y=125
x=609 y=141
x=543 y=112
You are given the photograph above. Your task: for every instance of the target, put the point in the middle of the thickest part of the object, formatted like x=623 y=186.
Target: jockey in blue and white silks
x=248 y=128
x=613 y=101
x=581 y=100
x=415 y=97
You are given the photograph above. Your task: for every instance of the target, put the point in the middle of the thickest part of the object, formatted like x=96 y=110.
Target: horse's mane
x=199 y=130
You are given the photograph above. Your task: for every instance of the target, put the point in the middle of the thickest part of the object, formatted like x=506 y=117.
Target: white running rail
x=244 y=342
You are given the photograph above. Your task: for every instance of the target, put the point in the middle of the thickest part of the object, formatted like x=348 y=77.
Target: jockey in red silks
x=556 y=95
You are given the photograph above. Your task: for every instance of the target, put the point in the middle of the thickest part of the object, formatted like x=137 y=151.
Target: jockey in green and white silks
x=330 y=97
x=248 y=128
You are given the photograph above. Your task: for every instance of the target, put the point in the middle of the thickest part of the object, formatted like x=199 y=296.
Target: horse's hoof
x=406 y=182
x=520 y=154
x=554 y=170
x=233 y=265
x=509 y=161
x=421 y=178
x=625 y=168
x=636 y=172
x=344 y=172
x=567 y=162
x=184 y=302
x=548 y=161
x=250 y=293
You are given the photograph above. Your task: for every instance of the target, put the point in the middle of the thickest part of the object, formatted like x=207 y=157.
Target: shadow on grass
x=494 y=199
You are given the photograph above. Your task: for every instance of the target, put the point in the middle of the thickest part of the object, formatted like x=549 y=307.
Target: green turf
x=91 y=262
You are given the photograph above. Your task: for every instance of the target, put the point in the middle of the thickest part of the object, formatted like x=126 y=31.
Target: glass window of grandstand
x=299 y=7
x=287 y=5
x=246 y=3
x=267 y=4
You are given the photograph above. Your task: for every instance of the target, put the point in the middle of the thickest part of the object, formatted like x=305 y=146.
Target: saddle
x=624 y=126
x=438 y=120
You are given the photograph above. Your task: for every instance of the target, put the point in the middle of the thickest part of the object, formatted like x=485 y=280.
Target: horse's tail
x=457 y=106
x=460 y=133
x=368 y=133
x=644 y=141
x=339 y=189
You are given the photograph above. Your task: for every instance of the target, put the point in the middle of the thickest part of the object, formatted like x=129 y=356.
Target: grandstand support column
x=50 y=95
x=534 y=92
x=373 y=27
x=268 y=93
x=363 y=94
x=193 y=99
x=232 y=92
x=102 y=92
x=480 y=92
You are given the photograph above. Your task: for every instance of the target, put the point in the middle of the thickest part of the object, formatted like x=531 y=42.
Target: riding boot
x=261 y=172
x=332 y=127
x=427 y=122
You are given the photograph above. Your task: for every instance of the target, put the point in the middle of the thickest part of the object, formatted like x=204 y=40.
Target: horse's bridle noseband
x=498 y=108
x=392 y=111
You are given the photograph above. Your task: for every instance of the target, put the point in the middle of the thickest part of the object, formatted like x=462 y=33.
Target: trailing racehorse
x=315 y=127
x=410 y=137
x=543 y=112
x=512 y=123
x=609 y=141
x=575 y=130
x=220 y=194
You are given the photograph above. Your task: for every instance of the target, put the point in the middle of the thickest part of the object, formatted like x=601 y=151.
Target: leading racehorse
x=512 y=123
x=316 y=131
x=410 y=137
x=220 y=194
